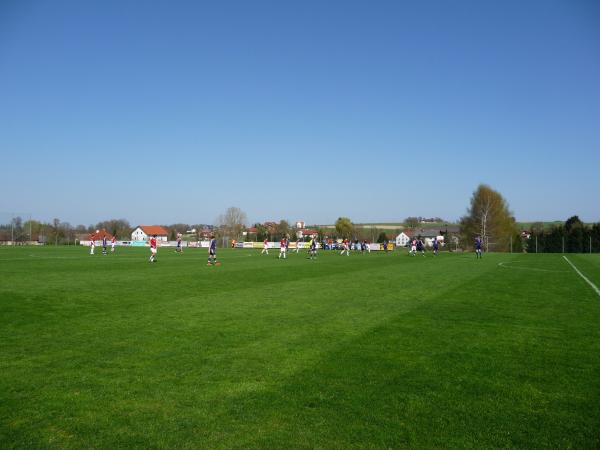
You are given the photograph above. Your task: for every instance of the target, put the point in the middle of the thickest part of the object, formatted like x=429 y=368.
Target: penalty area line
x=594 y=287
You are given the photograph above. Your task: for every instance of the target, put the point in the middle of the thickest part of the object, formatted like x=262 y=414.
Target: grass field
x=367 y=351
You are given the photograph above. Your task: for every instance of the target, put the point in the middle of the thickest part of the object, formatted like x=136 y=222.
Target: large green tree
x=344 y=227
x=488 y=216
x=411 y=222
x=283 y=228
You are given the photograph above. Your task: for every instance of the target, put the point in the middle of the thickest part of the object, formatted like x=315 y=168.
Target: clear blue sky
x=163 y=112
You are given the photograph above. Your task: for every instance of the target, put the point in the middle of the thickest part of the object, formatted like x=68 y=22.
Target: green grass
x=367 y=351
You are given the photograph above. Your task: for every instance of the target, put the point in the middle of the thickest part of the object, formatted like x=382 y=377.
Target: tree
x=116 y=227
x=382 y=238
x=575 y=235
x=232 y=223
x=33 y=229
x=411 y=222
x=344 y=227
x=57 y=230
x=261 y=232
x=489 y=217
x=283 y=228
x=536 y=227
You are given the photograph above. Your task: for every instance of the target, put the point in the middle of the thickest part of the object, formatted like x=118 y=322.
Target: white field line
x=509 y=265
x=594 y=287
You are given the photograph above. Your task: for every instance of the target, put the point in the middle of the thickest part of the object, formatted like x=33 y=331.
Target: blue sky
x=164 y=112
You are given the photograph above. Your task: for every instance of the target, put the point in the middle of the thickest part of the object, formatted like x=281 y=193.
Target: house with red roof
x=145 y=232
x=98 y=235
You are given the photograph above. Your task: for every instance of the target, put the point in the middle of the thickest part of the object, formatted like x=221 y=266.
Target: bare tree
x=232 y=222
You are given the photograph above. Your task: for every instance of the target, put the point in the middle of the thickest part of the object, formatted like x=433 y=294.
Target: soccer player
x=413 y=247
x=104 y=245
x=421 y=247
x=298 y=245
x=312 y=249
x=478 y=247
x=436 y=245
x=367 y=246
x=178 y=249
x=92 y=245
x=345 y=248
x=212 y=252
x=153 y=249
x=282 y=248
x=113 y=242
x=265 y=247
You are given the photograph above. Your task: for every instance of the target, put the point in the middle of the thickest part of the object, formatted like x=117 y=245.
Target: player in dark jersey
x=478 y=247
x=212 y=252
x=179 y=249
x=436 y=245
x=420 y=246
x=104 y=245
x=312 y=250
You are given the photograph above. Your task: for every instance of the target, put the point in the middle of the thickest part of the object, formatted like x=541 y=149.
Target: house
x=144 y=232
x=98 y=235
x=426 y=235
x=306 y=232
x=403 y=238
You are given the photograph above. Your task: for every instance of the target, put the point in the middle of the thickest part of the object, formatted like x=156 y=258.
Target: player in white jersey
x=92 y=245
x=113 y=242
x=283 y=248
x=153 y=249
x=345 y=247
x=413 y=247
x=265 y=247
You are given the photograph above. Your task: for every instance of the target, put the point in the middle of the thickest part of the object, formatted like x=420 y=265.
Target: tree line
x=488 y=216
x=573 y=236
x=58 y=232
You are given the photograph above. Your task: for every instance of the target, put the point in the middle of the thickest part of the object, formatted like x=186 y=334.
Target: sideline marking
x=509 y=265
x=594 y=287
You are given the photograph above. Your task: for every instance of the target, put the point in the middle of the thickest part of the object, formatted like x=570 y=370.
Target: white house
x=144 y=232
x=402 y=239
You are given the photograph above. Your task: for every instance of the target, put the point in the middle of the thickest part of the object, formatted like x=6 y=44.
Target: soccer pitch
x=367 y=351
